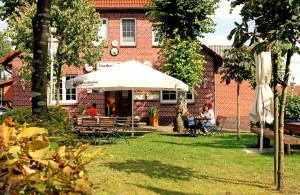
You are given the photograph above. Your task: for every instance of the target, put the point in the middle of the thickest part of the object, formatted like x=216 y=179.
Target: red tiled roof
x=122 y=4
x=9 y=57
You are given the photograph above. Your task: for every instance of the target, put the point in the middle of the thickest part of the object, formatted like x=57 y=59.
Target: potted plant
x=153 y=116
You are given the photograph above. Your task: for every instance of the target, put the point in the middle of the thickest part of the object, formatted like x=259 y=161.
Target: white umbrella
x=262 y=110
x=130 y=75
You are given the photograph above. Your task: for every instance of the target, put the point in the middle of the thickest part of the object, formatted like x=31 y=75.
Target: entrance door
x=118 y=103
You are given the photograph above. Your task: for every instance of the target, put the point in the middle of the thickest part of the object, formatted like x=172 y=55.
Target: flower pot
x=154 y=121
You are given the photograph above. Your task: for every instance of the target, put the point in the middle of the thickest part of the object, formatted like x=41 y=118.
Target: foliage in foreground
x=29 y=167
x=56 y=121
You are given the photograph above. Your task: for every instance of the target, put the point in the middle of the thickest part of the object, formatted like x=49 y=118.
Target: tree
x=5 y=48
x=77 y=25
x=181 y=51
x=40 y=32
x=276 y=23
x=238 y=66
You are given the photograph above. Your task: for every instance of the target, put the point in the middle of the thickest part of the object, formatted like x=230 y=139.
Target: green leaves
x=238 y=65
x=276 y=20
x=192 y=16
x=77 y=25
x=182 y=59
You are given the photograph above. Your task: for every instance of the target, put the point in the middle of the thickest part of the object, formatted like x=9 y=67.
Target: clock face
x=114 y=51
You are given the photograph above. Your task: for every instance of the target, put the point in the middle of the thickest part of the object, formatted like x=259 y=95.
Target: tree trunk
x=281 y=123
x=276 y=145
x=39 y=80
x=181 y=108
x=238 y=121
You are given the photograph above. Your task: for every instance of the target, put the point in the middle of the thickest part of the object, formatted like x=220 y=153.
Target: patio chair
x=107 y=129
x=217 y=129
x=87 y=128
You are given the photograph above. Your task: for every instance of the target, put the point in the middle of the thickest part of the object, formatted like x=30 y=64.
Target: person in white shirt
x=207 y=118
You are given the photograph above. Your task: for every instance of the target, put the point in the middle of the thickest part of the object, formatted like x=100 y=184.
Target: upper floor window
x=155 y=36
x=171 y=97
x=128 y=32
x=103 y=33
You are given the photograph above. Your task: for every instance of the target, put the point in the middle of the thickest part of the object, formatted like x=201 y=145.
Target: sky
x=225 y=23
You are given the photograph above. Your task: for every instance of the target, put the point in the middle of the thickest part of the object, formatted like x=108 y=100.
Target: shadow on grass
x=227 y=142
x=163 y=191
x=235 y=181
x=153 y=168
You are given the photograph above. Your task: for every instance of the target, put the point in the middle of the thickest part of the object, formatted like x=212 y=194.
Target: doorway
x=118 y=103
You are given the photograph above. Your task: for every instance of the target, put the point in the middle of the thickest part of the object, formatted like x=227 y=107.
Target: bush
x=56 y=121
x=28 y=166
x=293 y=106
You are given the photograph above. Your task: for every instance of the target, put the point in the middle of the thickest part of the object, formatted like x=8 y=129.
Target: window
x=155 y=36
x=171 y=97
x=190 y=97
x=128 y=32
x=103 y=33
x=66 y=95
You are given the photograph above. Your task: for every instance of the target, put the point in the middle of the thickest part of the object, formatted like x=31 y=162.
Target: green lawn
x=161 y=163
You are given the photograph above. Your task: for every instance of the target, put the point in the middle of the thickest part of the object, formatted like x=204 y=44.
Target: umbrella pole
x=261 y=135
x=132 y=115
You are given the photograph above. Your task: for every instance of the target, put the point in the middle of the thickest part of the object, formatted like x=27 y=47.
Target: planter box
x=154 y=121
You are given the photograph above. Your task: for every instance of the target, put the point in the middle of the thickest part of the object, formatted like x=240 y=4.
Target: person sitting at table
x=190 y=123
x=92 y=111
x=207 y=117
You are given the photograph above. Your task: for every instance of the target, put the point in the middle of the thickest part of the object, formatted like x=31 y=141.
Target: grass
x=161 y=163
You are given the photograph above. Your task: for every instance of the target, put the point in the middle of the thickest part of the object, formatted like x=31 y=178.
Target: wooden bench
x=288 y=139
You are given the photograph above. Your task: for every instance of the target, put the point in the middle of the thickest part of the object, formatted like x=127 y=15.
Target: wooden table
x=292 y=127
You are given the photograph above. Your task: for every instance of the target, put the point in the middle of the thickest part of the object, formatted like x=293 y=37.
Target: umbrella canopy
x=127 y=76
x=130 y=75
x=263 y=107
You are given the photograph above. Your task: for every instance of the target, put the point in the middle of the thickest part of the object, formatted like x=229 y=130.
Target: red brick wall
x=142 y=51
x=226 y=102
x=21 y=94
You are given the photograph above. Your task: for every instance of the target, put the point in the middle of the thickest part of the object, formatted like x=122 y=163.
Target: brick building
x=132 y=37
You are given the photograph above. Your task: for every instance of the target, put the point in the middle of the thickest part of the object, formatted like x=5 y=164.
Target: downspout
x=215 y=110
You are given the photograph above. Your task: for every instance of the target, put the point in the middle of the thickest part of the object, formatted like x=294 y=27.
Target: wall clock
x=114 y=51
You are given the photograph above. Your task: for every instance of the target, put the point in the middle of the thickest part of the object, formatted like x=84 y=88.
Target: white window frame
x=121 y=33
x=175 y=101
x=64 y=92
x=154 y=35
x=100 y=38
x=100 y=31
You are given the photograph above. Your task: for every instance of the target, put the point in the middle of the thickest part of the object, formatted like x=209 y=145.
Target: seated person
x=207 y=118
x=190 y=123
x=92 y=111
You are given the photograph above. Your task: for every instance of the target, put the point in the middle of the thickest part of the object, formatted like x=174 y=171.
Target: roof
x=122 y=4
x=7 y=59
x=216 y=56
x=219 y=49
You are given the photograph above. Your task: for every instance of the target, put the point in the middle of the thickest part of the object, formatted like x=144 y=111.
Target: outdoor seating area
x=192 y=125
x=269 y=134
x=100 y=128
